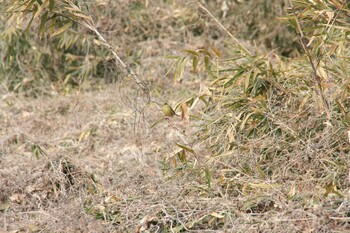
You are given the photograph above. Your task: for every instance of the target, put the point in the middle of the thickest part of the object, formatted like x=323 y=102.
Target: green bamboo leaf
x=205 y=52
x=186 y=148
x=207 y=63
x=208 y=176
x=233 y=79
x=191 y=52
x=195 y=63
x=182 y=156
x=42 y=24
x=172 y=57
x=37 y=151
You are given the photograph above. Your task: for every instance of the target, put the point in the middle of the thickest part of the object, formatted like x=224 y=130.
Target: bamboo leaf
x=42 y=24
x=244 y=122
x=205 y=52
x=194 y=53
x=62 y=29
x=185 y=116
x=29 y=6
x=186 y=148
x=216 y=51
x=208 y=176
x=233 y=79
x=207 y=63
x=195 y=63
x=41 y=8
x=182 y=156
x=180 y=67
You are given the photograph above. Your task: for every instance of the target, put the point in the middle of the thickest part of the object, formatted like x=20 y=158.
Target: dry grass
x=83 y=161
x=95 y=174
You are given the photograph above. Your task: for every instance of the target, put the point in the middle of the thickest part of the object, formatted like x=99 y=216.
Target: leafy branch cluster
x=266 y=109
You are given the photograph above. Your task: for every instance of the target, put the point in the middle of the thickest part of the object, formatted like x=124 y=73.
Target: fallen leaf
x=185 y=116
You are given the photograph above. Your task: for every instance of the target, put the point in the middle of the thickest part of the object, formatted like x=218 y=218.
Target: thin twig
x=88 y=22
x=315 y=77
x=222 y=26
x=90 y=25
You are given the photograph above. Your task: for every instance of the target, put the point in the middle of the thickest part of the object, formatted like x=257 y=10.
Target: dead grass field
x=83 y=161
x=94 y=174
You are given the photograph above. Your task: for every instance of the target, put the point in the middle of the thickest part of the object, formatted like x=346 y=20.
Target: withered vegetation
x=262 y=143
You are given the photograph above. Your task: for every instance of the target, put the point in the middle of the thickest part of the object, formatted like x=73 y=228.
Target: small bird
x=168 y=111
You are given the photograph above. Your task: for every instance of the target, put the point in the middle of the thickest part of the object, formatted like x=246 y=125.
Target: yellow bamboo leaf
x=62 y=29
x=41 y=8
x=82 y=16
x=185 y=116
x=320 y=71
x=337 y=4
x=28 y=6
x=216 y=51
